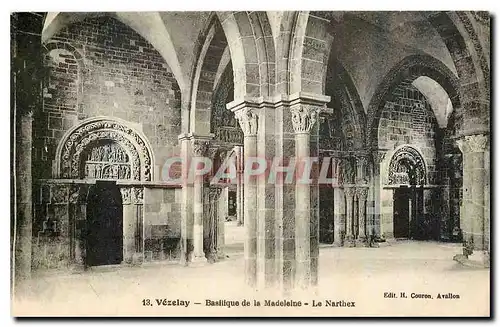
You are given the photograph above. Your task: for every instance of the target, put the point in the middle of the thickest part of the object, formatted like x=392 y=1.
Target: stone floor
x=362 y=275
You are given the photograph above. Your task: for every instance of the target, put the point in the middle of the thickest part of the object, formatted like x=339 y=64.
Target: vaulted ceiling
x=368 y=44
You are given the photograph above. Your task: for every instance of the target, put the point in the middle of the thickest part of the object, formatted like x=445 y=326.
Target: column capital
x=473 y=143
x=362 y=193
x=304 y=117
x=248 y=119
x=379 y=155
x=349 y=192
x=199 y=147
x=212 y=151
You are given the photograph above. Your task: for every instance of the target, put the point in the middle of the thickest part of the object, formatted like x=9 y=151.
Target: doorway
x=104 y=224
x=401 y=213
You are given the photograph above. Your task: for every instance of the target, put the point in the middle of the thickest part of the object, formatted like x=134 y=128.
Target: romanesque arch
x=106 y=143
x=408 y=70
x=251 y=44
x=458 y=32
x=307 y=49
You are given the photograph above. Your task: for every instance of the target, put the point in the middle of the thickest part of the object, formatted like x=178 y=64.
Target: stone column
x=248 y=119
x=239 y=184
x=199 y=147
x=475 y=228
x=26 y=77
x=378 y=161
x=362 y=194
x=23 y=184
x=187 y=202
x=211 y=196
x=338 y=204
x=303 y=119
x=349 y=193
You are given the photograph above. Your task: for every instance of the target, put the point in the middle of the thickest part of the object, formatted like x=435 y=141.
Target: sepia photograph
x=250 y=163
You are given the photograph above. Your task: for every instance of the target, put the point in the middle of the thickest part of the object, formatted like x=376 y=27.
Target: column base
x=77 y=268
x=350 y=242
x=362 y=242
x=338 y=244
x=478 y=259
x=198 y=261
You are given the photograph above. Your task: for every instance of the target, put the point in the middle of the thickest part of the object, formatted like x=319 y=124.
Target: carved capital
x=126 y=196
x=473 y=143
x=248 y=120
x=199 y=147
x=362 y=193
x=138 y=195
x=74 y=192
x=379 y=156
x=212 y=151
x=304 y=117
x=349 y=192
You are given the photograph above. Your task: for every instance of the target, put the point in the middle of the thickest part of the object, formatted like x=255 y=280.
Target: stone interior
x=111 y=97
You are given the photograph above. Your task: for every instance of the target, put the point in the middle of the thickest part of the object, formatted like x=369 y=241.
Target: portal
x=104 y=225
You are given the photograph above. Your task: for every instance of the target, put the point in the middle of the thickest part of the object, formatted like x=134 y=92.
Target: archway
x=407 y=175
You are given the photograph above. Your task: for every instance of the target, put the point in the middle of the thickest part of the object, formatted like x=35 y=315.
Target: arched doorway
x=104 y=237
x=407 y=175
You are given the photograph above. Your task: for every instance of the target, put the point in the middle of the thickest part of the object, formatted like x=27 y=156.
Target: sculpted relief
x=105 y=149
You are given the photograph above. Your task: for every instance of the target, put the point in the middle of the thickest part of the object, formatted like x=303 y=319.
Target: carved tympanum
x=108 y=148
x=407 y=167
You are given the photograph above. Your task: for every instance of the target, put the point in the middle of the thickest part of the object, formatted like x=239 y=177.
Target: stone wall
x=100 y=67
x=407 y=118
x=162 y=224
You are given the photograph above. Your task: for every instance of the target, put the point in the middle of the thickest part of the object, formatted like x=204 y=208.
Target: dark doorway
x=401 y=213
x=104 y=224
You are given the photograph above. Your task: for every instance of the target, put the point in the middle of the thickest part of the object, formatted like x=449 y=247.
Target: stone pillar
x=199 y=147
x=187 y=202
x=220 y=221
x=239 y=184
x=248 y=119
x=362 y=194
x=303 y=120
x=338 y=204
x=378 y=219
x=349 y=192
x=23 y=184
x=211 y=197
x=475 y=228
x=26 y=76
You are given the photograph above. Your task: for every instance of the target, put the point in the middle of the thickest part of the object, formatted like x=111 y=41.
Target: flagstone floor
x=360 y=275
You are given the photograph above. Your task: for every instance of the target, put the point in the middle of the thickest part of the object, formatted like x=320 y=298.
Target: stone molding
x=89 y=131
